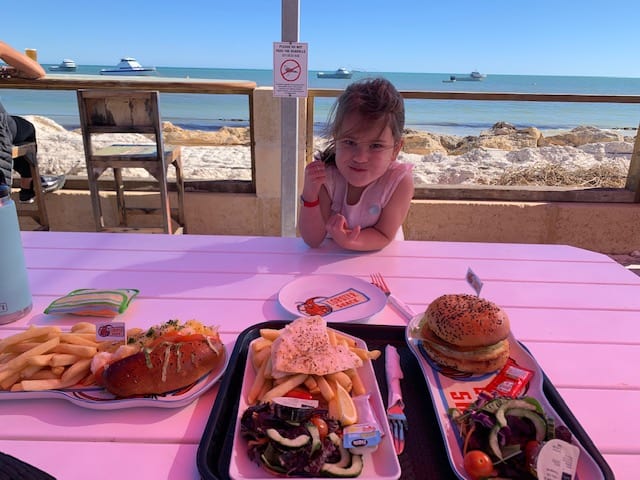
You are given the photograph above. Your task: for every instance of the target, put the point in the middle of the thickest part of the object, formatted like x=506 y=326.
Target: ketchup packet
x=511 y=381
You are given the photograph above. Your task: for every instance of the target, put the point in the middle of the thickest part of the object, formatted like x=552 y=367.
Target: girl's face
x=364 y=151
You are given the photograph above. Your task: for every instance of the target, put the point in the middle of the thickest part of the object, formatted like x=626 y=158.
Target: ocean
x=210 y=112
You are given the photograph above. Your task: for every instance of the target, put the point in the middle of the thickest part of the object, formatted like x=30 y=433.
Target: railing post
x=633 y=178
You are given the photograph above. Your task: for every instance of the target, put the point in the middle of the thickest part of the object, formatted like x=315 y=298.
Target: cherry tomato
x=478 y=464
x=321 y=425
x=531 y=452
x=299 y=393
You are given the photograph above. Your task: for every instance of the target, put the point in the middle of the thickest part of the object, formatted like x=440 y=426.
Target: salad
x=502 y=436
x=290 y=441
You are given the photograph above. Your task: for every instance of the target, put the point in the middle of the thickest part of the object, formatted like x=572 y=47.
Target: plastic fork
x=395 y=411
x=405 y=310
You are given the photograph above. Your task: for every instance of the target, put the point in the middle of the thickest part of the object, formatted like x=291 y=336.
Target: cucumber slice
x=510 y=405
x=316 y=444
x=299 y=441
x=353 y=470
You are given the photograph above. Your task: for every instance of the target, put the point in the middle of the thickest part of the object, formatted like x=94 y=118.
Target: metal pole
x=289 y=131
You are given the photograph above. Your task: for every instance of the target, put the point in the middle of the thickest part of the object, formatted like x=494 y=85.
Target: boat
x=339 y=73
x=67 y=65
x=128 y=66
x=474 y=76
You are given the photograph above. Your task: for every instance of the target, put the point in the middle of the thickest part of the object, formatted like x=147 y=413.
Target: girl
x=355 y=191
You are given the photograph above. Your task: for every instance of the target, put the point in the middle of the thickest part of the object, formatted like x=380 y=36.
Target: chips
x=45 y=358
x=265 y=387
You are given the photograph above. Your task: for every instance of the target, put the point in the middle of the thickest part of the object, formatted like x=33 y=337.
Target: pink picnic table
x=577 y=311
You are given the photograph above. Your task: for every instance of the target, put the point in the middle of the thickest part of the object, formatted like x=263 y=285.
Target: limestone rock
x=582 y=136
x=422 y=143
x=502 y=136
x=225 y=136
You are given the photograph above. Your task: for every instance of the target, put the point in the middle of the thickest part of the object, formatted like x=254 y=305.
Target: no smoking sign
x=289 y=69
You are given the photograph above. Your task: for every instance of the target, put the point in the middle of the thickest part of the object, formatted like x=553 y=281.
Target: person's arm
x=312 y=218
x=24 y=66
x=385 y=230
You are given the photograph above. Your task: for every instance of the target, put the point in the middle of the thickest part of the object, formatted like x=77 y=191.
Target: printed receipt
x=557 y=460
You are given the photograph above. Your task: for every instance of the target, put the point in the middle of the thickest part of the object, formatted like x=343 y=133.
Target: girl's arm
x=24 y=66
x=312 y=219
x=385 y=230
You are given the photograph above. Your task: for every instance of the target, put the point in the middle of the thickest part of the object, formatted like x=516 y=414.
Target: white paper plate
x=293 y=296
x=381 y=464
x=97 y=398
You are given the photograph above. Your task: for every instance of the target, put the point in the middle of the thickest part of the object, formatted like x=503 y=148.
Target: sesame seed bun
x=466 y=333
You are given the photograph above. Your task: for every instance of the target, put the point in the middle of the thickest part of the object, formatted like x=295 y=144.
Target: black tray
x=425 y=455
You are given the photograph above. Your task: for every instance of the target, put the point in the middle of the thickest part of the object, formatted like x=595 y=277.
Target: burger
x=466 y=333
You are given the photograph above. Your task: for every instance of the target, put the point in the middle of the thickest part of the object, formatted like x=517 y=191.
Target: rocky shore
x=496 y=156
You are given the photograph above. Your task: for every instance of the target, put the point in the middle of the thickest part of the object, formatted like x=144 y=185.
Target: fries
x=44 y=358
x=265 y=388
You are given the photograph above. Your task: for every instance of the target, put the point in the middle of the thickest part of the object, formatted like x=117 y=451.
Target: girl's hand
x=338 y=229
x=314 y=178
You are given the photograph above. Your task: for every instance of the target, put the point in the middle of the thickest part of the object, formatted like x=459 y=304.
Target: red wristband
x=315 y=203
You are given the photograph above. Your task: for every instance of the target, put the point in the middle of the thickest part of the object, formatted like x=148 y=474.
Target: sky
x=546 y=37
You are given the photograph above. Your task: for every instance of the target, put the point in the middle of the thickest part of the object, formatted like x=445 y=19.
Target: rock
x=422 y=143
x=225 y=136
x=502 y=136
x=582 y=136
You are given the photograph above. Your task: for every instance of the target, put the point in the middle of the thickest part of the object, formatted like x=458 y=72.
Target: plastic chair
x=39 y=213
x=132 y=112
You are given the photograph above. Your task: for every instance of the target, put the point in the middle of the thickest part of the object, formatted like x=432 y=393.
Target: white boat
x=128 y=66
x=66 y=65
x=339 y=73
x=474 y=76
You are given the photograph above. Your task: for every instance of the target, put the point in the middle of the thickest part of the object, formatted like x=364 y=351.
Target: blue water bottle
x=15 y=295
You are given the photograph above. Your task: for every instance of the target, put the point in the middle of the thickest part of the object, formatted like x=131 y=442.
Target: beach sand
x=228 y=156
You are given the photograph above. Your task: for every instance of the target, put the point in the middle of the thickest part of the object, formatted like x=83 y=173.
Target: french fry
x=257 y=384
x=88 y=339
x=76 y=372
x=82 y=327
x=365 y=354
x=312 y=385
x=258 y=358
x=20 y=361
x=46 y=357
x=292 y=382
x=40 y=360
x=268 y=385
x=42 y=374
x=357 y=387
x=27 y=335
x=342 y=378
x=325 y=389
x=268 y=373
x=260 y=343
x=269 y=333
x=79 y=350
x=63 y=359
x=10 y=380
x=343 y=339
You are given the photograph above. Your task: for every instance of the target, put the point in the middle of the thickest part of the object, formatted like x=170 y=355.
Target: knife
x=404 y=309
x=395 y=405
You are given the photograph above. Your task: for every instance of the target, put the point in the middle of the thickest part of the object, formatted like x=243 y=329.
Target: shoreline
x=437 y=159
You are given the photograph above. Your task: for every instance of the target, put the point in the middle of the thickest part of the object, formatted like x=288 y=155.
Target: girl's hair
x=376 y=100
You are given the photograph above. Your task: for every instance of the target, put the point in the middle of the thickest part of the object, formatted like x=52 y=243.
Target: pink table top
x=577 y=311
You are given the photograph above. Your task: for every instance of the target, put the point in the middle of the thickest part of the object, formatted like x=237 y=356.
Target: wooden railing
x=631 y=192
x=161 y=84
